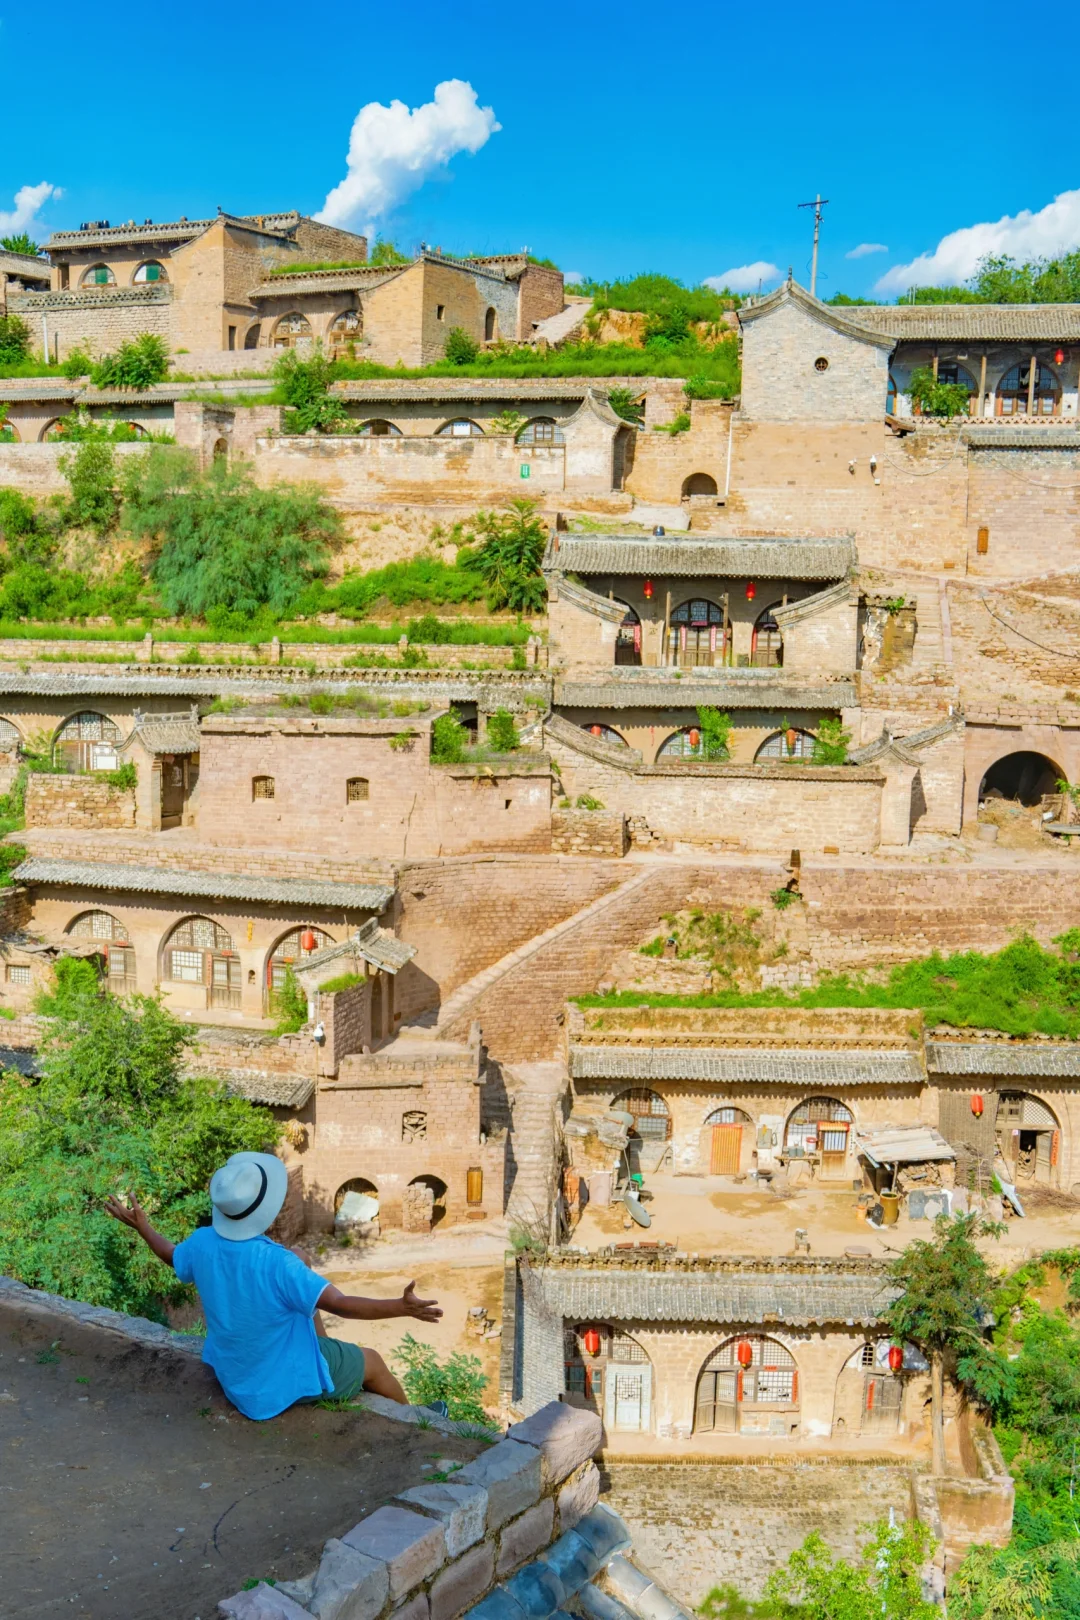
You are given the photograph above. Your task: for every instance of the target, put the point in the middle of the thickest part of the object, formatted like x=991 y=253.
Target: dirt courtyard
x=176 y=1497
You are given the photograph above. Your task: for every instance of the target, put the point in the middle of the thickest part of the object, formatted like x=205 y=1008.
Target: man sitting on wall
x=264 y=1338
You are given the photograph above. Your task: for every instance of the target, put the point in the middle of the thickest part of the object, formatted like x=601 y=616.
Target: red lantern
x=591 y=1340
x=744 y=1352
x=647 y=590
x=751 y=591
x=597 y=731
x=695 y=738
x=1059 y=357
x=896 y=1358
x=307 y=941
x=976 y=1104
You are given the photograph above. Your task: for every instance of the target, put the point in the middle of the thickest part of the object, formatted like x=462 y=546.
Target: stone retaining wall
x=77 y=802
x=589 y=832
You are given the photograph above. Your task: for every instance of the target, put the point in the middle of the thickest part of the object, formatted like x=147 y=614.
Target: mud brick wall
x=351 y=471
x=77 y=801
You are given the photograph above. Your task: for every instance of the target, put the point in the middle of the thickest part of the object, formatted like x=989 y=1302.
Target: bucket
x=890 y=1203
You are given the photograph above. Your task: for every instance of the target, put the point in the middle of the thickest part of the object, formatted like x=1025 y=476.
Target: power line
x=817 y=205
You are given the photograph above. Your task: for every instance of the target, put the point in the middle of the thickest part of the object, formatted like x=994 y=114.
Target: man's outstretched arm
x=132 y=1214
x=373 y=1310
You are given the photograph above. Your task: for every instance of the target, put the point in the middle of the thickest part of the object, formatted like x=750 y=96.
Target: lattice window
x=10 y=738
x=17 y=973
x=201 y=933
x=413 y=1126
x=262 y=787
x=357 y=789
x=868 y=1355
x=186 y=966
x=97 y=925
x=652 y=1117
x=623 y=1348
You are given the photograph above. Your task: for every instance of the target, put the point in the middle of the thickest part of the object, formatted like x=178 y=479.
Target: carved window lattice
x=413 y=1126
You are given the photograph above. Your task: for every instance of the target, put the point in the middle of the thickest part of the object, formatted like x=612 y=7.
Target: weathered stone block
x=461 y=1509
x=538 y=1589
x=510 y=1473
x=261 y=1603
x=580 y=1493
x=461 y=1583
x=565 y=1436
x=522 y=1538
x=349 y=1585
x=604 y=1531
x=414 y=1608
x=411 y=1547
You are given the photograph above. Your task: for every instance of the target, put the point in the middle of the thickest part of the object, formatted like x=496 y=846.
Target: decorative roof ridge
x=581 y=596
x=576 y=737
x=807 y=607
x=789 y=292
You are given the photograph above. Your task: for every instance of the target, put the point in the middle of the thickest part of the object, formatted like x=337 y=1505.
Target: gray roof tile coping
x=738 y=1296
x=209 y=885
x=1045 y=1059
x=789 y=1066
x=760 y=556
x=659 y=688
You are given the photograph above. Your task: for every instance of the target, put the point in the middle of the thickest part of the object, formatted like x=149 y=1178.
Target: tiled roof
x=370 y=943
x=14 y=389
x=20 y=1058
x=1009 y=323
x=275 y=1090
x=721 y=1297
x=466 y=388
x=908 y=748
x=760 y=557
x=561 y=730
x=165 y=733
x=739 y=689
x=208 y=885
x=841 y=319
x=1047 y=1059
x=360 y=277
x=807 y=1069
x=179 y=230
x=23 y=264
x=1023 y=436
x=580 y=596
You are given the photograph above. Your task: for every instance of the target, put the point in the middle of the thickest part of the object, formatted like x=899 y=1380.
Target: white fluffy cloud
x=28 y=199
x=864 y=249
x=744 y=277
x=392 y=150
x=1053 y=229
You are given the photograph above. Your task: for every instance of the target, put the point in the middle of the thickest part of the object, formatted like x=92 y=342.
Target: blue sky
x=631 y=139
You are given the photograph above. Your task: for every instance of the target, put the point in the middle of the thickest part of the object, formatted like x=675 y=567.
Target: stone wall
x=589 y=832
x=351 y=471
x=99 y=320
x=663 y=461
x=77 y=801
x=34 y=469
x=782 y=381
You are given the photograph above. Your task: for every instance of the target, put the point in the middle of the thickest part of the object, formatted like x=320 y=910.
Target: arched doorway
x=438 y=1195
x=750 y=1385
x=699 y=484
x=819 y=1129
x=221 y=450
x=628 y=639
x=729 y=1141
x=607 y=1371
x=606 y=734
x=684 y=744
x=697 y=635
x=110 y=935
x=1011 y=393
x=251 y=336
x=1024 y=776
x=869 y=1396
x=358 y=1184
x=86 y=742
x=784 y=745
x=766 y=642
x=490 y=325
x=345 y=333
x=296 y=946
x=9 y=433
x=199 y=951
x=293 y=331
x=1028 y=1138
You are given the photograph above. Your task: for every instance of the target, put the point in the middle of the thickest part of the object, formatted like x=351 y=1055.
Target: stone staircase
x=536 y=1092
x=929 y=650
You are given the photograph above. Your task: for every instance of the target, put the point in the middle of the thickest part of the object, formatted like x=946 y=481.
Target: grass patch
x=344 y=981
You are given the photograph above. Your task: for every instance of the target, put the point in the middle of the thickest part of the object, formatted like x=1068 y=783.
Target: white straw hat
x=247 y=1194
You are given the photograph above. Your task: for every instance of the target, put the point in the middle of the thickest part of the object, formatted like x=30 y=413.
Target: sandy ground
x=131 y=1490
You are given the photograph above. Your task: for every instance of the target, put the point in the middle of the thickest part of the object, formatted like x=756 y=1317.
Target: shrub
x=507 y=423
x=678 y=424
x=627 y=405
x=461 y=349
x=73 y=979
x=289 y=1005
x=304 y=384
x=401 y=741
x=937 y=398
x=91 y=473
x=831 y=743
x=585 y=801
x=14 y=340
x=125 y=778
x=448 y=740
x=26 y=535
x=460 y=1380
x=502 y=733
x=716 y=728
x=78 y=364
x=344 y=981
x=507 y=558
x=782 y=898
x=655 y=947
x=138 y=364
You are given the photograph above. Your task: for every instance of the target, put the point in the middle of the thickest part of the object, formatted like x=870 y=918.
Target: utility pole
x=817 y=205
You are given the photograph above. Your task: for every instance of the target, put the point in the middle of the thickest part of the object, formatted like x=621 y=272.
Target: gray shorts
x=346 y=1364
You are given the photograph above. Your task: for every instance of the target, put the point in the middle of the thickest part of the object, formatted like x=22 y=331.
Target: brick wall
x=539 y=294
x=663 y=461
x=34 y=469
x=77 y=801
x=780 y=379
x=589 y=832
x=98 y=321
x=354 y=470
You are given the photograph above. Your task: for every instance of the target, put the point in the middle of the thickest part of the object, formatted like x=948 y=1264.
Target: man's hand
x=132 y=1213
x=425 y=1310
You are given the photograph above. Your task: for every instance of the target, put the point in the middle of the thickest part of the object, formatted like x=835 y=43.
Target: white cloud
x=574 y=278
x=865 y=248
x=1054 y=229
x=28 y=199
x=392 y=150
x=744 y=277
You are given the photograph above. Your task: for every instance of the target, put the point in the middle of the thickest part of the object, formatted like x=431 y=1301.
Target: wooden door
x=225 y=982
x=882 y=1397
x=834 y=1143
x=726 y=1150
x=172 y=792
x=629 y=1400
x=717 y=1408
x=1043 y=1156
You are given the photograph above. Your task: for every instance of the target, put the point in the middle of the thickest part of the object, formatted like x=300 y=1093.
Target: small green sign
x=526 y=470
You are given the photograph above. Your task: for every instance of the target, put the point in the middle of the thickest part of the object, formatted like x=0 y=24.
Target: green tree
x=26 y=535
x=831 y=743
x=937 y=398
x=716 y=728
x=137 y=364
x=511 y=546
x=305 y=383
x=448 y=740
x=14 y=340
x=625 y=403
x=385 y=252
x=502 y=733
x=111 y=1112
x=91 y=473
x=460 y=1380
x=22 y=243
x=885 y=1584
x=219 y=541
x=461 y=349
x=944 y=1308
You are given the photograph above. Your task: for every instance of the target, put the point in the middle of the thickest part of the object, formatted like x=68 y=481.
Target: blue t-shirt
x=259 y=1300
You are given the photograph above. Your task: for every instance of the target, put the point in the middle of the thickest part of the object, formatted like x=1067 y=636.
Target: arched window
x=295 y=947
x=1011 y=393
x=53 y=430
x=462 y=428
x=357 y=789
x=628 y=639
x=106 y=931
x=684 y=744
x=699 y=484
x=745 y=1374
x=608 y=1372
x=377 y=428
x=86 y=742
x=819 y=1129
x=293 y=331
x=10 y=737
x=606 y=734
x=766 y=643
x=251 y=336
x=541 y=430
x=200 y=952
x=652 y=1118
x=262 y=787
x=729 y=1139
x=790 y=744
x=346 y=330
x=696 y=635
x=1028 y=1137
x=491 y=325
x=98 y=275
x=9 y=433
x=149 y=272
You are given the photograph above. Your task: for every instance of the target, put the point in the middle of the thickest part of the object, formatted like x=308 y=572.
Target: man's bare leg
x=380 y=1380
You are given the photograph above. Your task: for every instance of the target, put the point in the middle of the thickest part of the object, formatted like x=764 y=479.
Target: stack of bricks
x=589 y=832
x=472 y=1545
